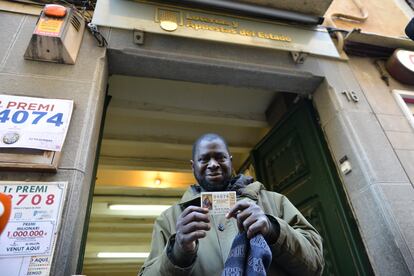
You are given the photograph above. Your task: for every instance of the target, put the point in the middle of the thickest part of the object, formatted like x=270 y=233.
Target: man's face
x=212 y=165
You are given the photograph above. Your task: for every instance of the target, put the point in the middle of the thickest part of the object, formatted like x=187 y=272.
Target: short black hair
x=208 y=137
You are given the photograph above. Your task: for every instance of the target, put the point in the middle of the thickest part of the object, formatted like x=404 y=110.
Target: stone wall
x=373 y=134
x=85 y=84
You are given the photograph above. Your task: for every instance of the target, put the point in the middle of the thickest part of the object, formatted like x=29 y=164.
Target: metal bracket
x=138 y=37
x=345 y=165
x=298 y=57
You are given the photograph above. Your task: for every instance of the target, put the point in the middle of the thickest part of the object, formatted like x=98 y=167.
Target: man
x=187 y=240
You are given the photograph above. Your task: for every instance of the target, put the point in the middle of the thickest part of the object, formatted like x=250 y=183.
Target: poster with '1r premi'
x=28 y=241
x=36 y=123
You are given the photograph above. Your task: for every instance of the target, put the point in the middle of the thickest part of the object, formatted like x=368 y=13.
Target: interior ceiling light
x=132 y=255
x=157 y=181
x=153 y=209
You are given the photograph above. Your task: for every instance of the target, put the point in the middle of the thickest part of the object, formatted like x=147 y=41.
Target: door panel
x=292 y=159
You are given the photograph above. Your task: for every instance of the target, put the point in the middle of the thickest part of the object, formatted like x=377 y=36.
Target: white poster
x=29 y=238
x=14 y=266
x=38 y=123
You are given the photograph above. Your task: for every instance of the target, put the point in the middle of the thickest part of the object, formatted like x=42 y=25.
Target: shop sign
x=407 y=59
x=192 y=23
x=30 y=235
x=37 y=123
x=401 y=66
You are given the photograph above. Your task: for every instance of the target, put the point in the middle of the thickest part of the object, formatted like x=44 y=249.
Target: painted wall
x=85 y=83
x=385 y=17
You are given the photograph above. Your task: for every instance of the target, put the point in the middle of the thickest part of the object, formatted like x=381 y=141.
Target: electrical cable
x=342 y=16
x=81 y=8
x=89 y=4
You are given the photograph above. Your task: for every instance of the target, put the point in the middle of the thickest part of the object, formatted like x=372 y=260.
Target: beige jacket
x=298 y=250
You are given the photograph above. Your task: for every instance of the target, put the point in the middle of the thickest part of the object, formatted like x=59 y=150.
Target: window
x=405 y=100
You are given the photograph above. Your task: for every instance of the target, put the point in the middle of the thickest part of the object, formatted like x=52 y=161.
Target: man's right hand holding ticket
x=191 y=226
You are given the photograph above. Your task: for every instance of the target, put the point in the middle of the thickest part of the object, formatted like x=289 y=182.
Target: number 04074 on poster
x=38 y=123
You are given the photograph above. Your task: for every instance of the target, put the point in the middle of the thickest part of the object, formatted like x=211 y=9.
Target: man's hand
x=251 y=218
x=191 y=226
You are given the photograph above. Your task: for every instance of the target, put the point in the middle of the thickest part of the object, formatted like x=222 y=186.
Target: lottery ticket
x=218 y=202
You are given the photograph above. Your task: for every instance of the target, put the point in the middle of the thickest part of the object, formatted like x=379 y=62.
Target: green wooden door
x=293 y=160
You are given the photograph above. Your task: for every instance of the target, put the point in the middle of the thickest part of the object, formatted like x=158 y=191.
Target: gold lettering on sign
x=221 y=29
x=274 y=37
x=170 y=19
x=217 y=21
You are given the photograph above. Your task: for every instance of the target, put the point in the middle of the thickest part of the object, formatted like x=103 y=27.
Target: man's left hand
x=251 y=218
